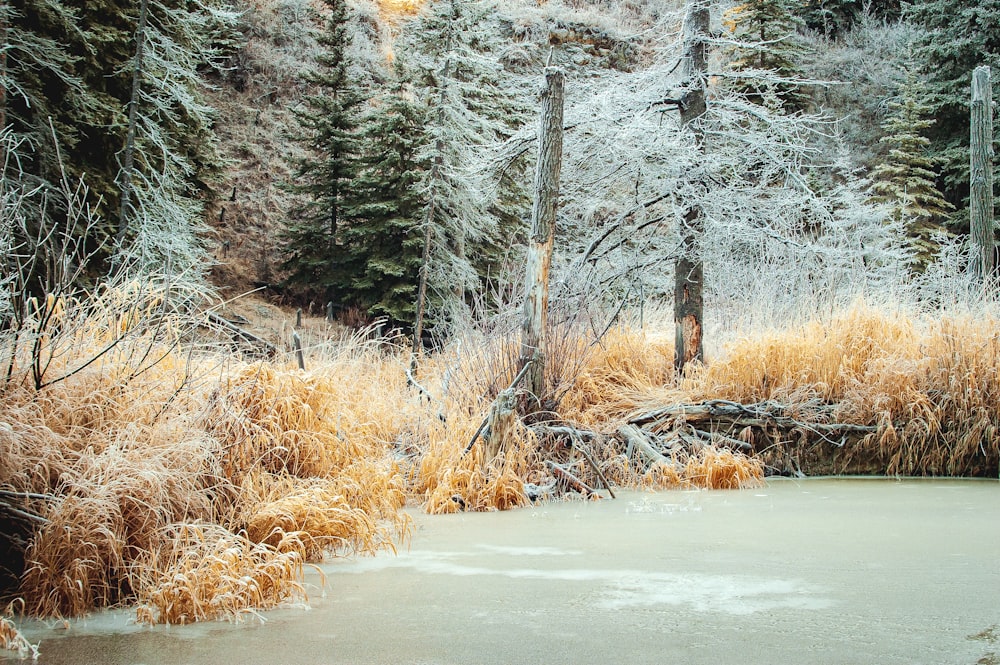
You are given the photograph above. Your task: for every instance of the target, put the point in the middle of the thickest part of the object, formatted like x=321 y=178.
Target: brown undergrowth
x=144 y=469
x=928 y=384
x=184 y=479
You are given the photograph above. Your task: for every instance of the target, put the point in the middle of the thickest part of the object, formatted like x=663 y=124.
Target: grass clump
x=143 y=467
x=140 y=466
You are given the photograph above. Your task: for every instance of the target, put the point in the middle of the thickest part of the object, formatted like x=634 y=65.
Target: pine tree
x=385 y=239
x=470 y=108
x=834 y=18
x=905 y=180
x=314 y=241
x=770 y=52
x=959 y=36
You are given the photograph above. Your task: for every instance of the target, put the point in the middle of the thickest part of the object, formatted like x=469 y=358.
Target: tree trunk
x=133 y=109
x=981 y=179
x=688 y=270
x=543 y=223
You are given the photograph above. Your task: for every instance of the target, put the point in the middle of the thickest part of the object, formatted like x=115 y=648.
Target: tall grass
x=159 y=471
x=147 y=459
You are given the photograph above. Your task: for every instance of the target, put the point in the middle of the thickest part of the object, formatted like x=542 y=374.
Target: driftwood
x=241 y=335
x=575 y=437
x=638 y=440
x=486 y=421
x=502 y=421
x=763 y=414
x=718 y=439
x=571 y=480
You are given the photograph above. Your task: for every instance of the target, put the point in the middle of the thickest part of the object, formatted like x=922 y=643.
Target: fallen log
x=762 y=414
x=571 y=480
x=718 y=439
x=574 y=436
x=241 y=335
x=636 y=438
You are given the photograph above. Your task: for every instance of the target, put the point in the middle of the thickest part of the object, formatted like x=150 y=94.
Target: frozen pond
x=814 y=571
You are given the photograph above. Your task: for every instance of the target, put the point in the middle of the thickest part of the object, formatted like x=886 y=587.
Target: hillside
x=255 y=99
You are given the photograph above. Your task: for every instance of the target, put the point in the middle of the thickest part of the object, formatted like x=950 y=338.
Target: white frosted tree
x=169 y=128
x=631 y=173
x=470 y=108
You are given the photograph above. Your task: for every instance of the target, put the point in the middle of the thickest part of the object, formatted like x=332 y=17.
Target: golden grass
x=197 y=484
x=450 y=480
x=204 y=572
x=162 y=463
x=625 y=364
x=931 y=384
x=12 y=639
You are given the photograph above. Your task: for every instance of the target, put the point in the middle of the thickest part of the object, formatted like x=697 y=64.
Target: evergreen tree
x=67 y=80
x=959 y=36
x=385 y=238
x=767 y=59
x=329 y=122
x=168 y=148
x=833 y=18
x=471 y=108
x=906 y=178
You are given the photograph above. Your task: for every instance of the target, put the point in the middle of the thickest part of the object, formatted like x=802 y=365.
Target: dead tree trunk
x=543 y=223
x=128 y=159
x=981 y=179
x=688 y=270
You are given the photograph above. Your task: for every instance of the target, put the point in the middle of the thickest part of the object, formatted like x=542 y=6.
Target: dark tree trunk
x=688 y=271
x=128 y=160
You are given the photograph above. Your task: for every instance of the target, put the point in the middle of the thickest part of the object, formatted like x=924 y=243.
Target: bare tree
x=542 y=236
x=689 y=270
x=981 y=178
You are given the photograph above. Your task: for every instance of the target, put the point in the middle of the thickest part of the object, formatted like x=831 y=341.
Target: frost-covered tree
x=169 y=148
x=329 y=127
x=48 y=110
x=905 y=178
x=471 y=106
x=766 y=61
x=631 y=174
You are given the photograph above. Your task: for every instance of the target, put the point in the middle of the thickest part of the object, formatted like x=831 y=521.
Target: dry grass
x=930 y=384
x=12 y=639
x=156 y=463
x=198 y=484
x=202 y=572
x=450 y=480
x=624 y=365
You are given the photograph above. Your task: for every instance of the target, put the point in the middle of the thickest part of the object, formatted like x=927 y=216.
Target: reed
x=148 y=467
x=12 y=639
x=143 y=460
